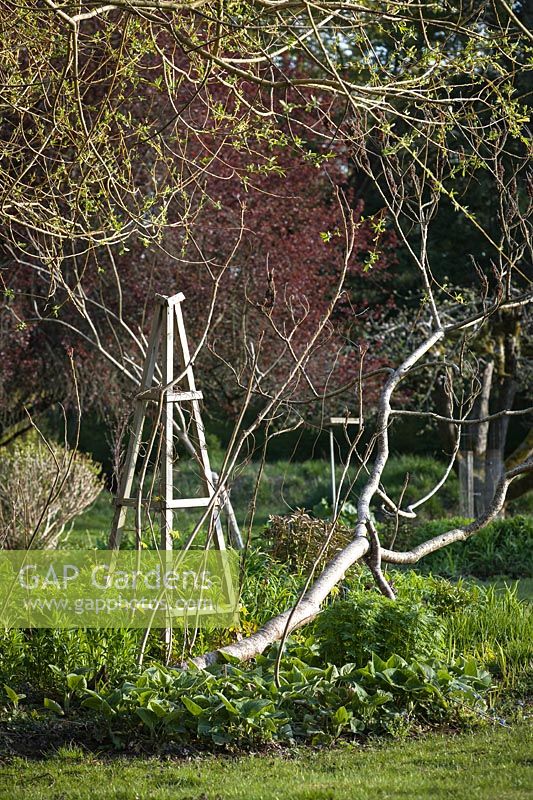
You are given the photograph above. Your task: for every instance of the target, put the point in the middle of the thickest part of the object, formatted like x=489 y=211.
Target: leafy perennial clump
x=237 y=706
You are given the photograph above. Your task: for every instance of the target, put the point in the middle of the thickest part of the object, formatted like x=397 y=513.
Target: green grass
x=498 y=632
x=491 y=763
x=523 y=586
x=92 y=528
x=284 y=486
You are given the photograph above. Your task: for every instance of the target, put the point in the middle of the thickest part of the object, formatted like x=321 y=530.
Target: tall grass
x=497 y=630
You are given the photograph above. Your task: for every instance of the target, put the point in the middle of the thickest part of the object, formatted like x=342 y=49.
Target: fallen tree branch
x=373 y=561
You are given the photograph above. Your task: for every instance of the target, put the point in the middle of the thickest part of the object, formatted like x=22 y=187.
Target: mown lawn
x=490 y=764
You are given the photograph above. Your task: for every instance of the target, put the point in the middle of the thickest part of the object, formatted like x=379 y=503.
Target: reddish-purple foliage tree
x=261 y=222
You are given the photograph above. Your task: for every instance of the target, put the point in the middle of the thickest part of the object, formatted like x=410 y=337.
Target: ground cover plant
x=241 y=707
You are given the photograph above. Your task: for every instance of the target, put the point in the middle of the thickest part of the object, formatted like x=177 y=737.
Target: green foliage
x=107 y=655
x=37 y=657
x=497 y=630
x=242 y=706
x=418 y=660
x=13 y=696
x=268 y=587
x=412 y=626
x=441 y=595
x=367 y=623
x=433 y=618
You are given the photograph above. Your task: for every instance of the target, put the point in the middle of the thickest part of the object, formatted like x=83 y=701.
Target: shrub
x=440 y=594
x=352 y=630
x=42 y=489
x=433 y=618
x=412 y=626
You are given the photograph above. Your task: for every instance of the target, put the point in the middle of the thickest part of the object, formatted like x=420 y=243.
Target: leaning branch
x=516 y=412
x=460 y=534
